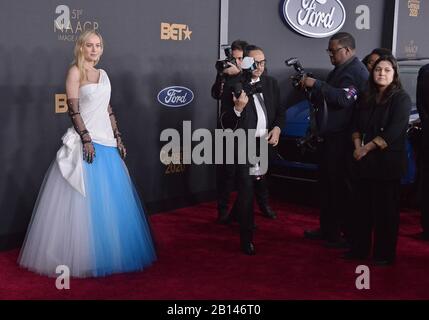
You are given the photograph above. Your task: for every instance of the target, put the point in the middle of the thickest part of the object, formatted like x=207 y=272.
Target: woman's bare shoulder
x=73 y=73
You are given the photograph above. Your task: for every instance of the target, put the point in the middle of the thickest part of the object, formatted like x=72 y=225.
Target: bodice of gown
x=94 y=101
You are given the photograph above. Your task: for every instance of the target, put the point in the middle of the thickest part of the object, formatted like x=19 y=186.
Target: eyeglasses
x=334 y=51
x=261 y=63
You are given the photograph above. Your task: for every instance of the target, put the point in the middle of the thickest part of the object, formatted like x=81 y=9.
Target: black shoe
x=233 y=216
x=350 y=255
x=268 y=213
x=337 y=244
x=422 y=236
x=248 y=248
x=223 y=218
x=314 y=234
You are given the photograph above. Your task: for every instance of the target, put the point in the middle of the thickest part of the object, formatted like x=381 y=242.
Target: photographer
x=229 y=69
x=227 y=77
x=334 y=101
x=253 y=109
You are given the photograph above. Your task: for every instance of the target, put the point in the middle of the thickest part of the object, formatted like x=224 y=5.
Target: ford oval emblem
x=175 y=96
x=314 y=18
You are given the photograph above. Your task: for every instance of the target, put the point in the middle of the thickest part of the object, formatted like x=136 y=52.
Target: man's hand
x=274 y=136
x=232 y=70
x=241 y=102
x=307 y=82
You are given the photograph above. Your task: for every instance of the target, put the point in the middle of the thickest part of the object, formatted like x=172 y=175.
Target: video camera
x=311 y=139
x=300 y=72
x=247 y=65
x=223 y=64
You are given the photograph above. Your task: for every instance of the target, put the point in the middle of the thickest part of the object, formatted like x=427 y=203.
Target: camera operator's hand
x=274 y=136
x=233 y=70
x=307 y=82
x=240 y=102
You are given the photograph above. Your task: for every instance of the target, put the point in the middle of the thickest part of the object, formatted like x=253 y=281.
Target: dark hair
x=251 y=47
x=381 y=52
x=345 y=39
x=392 y=88
x=365 y=59
x=239 y=45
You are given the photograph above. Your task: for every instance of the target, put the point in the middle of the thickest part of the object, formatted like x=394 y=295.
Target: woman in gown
x=88 y=215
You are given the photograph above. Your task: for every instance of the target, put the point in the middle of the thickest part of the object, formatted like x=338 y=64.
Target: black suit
x=422 y=102
x=275 y=116
x=344 y=84
x=225 y=174
x=379 y=173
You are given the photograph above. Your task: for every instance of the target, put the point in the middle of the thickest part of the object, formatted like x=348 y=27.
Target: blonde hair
x=79 y=59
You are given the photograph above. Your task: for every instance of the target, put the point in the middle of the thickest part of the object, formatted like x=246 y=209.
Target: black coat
x=422 y=95
x=388 y=121
x=422 y=103
x=248 y=118
x=344 y=85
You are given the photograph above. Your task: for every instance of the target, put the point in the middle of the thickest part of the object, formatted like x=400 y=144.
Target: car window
x=408 y=72
x=408 y=76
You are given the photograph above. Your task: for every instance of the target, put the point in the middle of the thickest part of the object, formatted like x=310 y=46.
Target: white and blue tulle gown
x=88 y=217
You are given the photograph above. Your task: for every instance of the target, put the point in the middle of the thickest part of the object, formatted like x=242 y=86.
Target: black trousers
x=244 y=203
x=377 y=204
x=225 y=184
x=424 y=186
x=335 y=188
x=226 y=181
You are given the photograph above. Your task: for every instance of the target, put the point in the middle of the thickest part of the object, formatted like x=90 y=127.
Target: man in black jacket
x=335 y=100
x=262 y=113
x=422 y=101
x=225 y=174
x=230 y=74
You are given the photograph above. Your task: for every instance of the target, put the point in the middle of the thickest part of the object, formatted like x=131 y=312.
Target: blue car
x=297 y=163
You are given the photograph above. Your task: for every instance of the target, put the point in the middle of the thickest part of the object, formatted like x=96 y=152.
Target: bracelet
x=83 y=132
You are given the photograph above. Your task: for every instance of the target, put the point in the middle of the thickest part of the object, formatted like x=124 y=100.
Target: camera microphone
x=291 y=61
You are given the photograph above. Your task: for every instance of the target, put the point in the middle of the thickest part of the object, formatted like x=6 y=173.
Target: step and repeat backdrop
x=301 y=28
x=411 y=25
x=159 y=56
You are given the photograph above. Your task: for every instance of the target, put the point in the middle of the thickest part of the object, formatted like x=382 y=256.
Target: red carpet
x=200 y=260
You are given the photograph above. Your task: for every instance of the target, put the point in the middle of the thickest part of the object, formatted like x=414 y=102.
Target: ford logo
x=314 y=18
x=175 y=96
